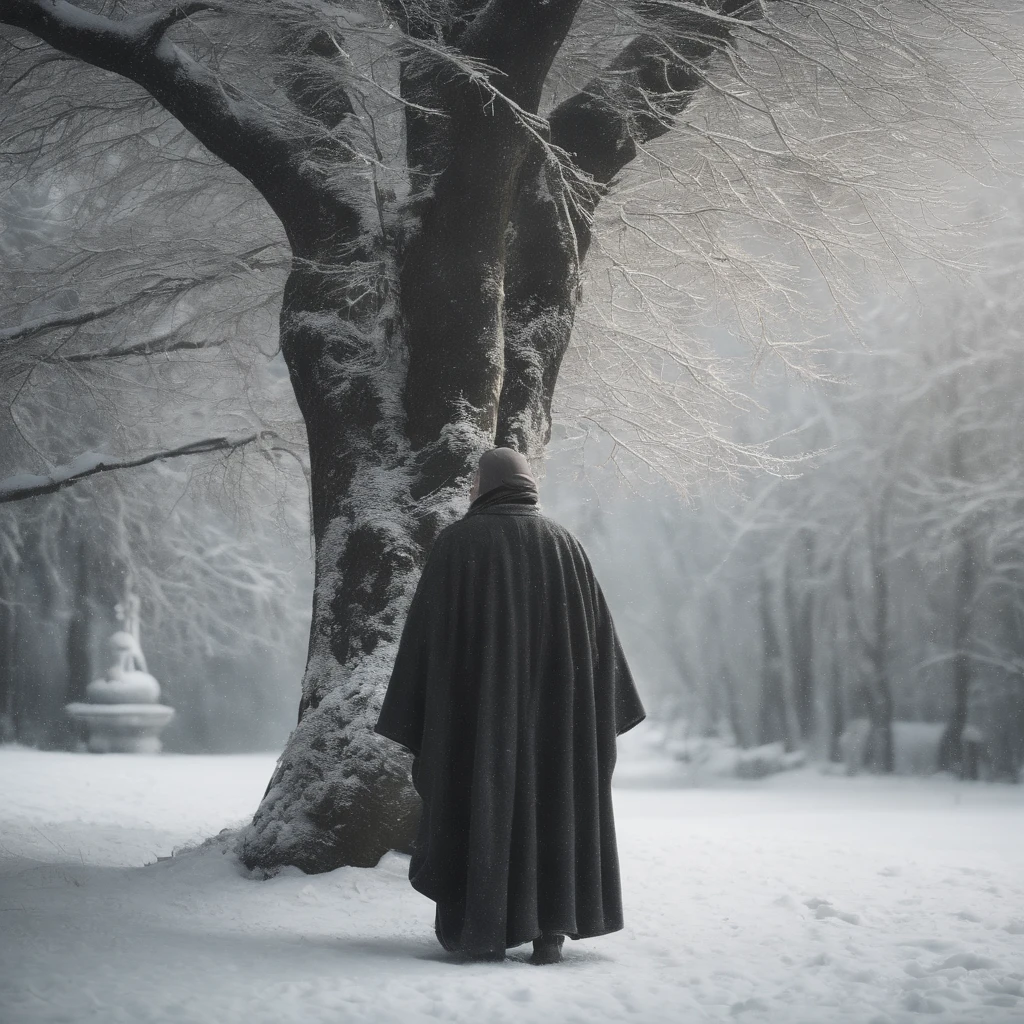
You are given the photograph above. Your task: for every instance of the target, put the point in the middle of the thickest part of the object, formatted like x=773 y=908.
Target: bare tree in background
x=964 y=503
x=916 y=499
x=214 y=588
x=438 y=169
x=215 y=596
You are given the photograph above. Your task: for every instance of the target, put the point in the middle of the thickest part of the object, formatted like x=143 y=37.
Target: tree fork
x=453 y=274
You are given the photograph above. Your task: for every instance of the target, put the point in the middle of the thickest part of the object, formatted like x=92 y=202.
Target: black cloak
x=510 y=687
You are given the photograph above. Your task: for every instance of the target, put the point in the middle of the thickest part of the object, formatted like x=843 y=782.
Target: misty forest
x=741 y=279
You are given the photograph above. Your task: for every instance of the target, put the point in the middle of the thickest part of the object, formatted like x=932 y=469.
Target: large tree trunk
x=340 y=794
x=951 y=744
x=873 y=689
x=79 y=641
x=778 y=717
x=799 y=608
x=392 y=445
x=836 y=689
x=881 y=755
x=964 y=585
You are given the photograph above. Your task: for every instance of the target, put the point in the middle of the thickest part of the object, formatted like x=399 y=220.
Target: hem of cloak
x=398 y=737
x=449 y=918
x=630 y=725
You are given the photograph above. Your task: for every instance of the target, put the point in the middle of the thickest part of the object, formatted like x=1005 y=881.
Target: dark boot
x=547 y=949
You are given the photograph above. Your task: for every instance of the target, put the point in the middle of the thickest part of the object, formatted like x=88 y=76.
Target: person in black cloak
x=509 y=688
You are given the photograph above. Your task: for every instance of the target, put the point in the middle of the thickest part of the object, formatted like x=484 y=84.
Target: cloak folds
x=510 y=687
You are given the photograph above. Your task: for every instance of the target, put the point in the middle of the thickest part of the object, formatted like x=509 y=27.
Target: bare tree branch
x=45 y=324
x=315 y=94
x=161 y=345
x=601 y=128
x=602 y=125
x=29 y=485
x=233 y=128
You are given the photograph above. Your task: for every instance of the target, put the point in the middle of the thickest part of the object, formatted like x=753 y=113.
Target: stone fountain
x=122 y=712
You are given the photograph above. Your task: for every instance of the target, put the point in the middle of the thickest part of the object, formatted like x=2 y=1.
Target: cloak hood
x=504 y=477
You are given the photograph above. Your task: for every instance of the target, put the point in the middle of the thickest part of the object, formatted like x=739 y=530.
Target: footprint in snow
x=968 y=961
x=966 y=915
x=823 y=909
x=1001 y=1000
x=975 y=871
x=918 y=1002
x=932 y=945
x=754 y=1003
x=962 y=961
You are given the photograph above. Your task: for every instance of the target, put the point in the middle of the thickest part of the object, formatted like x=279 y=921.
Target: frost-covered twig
x=20 y=486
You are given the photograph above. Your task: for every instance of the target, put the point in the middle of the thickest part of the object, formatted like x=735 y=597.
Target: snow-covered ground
x=802 y=899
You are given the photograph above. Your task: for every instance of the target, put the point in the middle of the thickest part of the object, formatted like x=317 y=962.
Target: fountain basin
x=124 y=687
x=122 y=728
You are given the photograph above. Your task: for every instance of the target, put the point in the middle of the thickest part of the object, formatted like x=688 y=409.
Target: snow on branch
x=31 y=485
x=43 y=325
x=234 y=129
x=162 y=22
x=636 y=98
x=162 y=345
